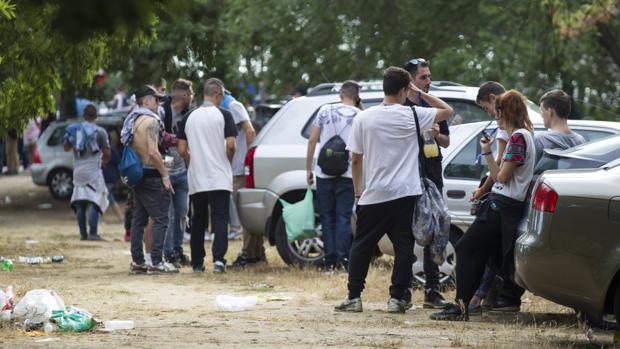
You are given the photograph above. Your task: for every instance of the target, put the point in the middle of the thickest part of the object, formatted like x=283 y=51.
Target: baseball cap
x=148 y=90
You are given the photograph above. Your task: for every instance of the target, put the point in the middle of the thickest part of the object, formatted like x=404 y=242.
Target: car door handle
x=456 y=194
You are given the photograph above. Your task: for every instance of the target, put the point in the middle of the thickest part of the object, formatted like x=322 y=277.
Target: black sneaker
x=83 y=237
x=434 y=300
x=492 y=295
x=184 y=260
x=199 y=269
x=506 y=307
x=137 y=268
x=474 y=309
x=454 y=312
x=95 y=237
x=242 y=261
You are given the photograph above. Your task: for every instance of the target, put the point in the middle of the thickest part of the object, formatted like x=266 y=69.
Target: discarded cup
x=114 y=325
x=231 y=303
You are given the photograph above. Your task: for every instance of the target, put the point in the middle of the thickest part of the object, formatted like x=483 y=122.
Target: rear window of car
x=305 y=132
x=57 y=137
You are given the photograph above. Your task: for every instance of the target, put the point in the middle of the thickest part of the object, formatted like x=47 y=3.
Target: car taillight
x=545 y=198
x=37 y=156
x=249 y=168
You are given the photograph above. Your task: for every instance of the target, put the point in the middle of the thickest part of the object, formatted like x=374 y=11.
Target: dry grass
x=294 y=310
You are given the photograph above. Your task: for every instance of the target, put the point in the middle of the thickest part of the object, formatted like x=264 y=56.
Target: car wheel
x=303 y=252
x=61 y=183
x=446 y=270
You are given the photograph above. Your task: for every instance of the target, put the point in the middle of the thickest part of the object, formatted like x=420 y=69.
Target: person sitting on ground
x=493 y=233
x=91 y=152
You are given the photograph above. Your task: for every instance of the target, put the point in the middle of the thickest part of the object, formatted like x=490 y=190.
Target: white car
x=275 y=166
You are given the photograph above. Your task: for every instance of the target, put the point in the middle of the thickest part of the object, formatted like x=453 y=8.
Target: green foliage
x=7 y=9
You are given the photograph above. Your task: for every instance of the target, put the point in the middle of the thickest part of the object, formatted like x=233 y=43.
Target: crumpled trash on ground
x=232 y=303
x=115 y=325
x=37 y=306
x=73 y=319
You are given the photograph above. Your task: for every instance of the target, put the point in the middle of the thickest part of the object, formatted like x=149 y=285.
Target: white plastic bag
x=231 y=303
x=37 y=305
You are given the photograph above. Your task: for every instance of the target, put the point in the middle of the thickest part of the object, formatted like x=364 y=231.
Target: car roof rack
x=329 y=88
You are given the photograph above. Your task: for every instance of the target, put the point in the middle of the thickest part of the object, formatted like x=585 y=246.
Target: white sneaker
x=162 y=268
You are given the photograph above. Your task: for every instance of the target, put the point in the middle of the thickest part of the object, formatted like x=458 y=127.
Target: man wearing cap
x=420 y=72
x=141 y=131
x=207 y=143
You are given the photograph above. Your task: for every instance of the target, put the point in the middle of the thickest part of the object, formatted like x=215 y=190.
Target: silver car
x=275 y=167
x=53 y=166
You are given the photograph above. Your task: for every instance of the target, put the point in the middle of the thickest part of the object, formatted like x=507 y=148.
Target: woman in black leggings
x=494 y=231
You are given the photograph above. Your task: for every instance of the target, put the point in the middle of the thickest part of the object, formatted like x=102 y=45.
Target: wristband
x=165 y=177
x=487 y=153
x=358 y=196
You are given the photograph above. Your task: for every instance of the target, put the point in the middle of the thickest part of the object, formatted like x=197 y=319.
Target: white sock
x=147 y=259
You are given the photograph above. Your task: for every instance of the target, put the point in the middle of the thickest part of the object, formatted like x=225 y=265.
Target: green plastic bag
x=299 y=218
x=72 y=319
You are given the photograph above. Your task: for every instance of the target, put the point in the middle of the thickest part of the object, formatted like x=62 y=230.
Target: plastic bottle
x=57 y=259
x=34 y=259
x=7 y=264
x=231 y=303
x=114 y=325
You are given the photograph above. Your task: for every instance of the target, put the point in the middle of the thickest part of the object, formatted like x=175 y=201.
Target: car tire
x=446 y=282
x=60 y=183
x=308 y=252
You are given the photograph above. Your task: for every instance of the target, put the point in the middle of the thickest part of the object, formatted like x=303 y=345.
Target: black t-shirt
x=433 y=165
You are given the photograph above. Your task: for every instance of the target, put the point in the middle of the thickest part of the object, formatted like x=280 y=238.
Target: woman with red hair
x=493 y=233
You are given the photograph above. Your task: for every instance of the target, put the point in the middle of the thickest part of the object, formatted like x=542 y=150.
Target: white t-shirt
x=239 y=114
x=386 y=136
x=334 y=119
x=520 y=149
x=205 y=130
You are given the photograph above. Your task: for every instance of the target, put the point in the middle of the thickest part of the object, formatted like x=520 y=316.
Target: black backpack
x=334 y=157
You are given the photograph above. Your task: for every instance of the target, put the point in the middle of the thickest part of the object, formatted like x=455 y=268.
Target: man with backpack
x=334 y=186
x=141 y=133
x=419 y=68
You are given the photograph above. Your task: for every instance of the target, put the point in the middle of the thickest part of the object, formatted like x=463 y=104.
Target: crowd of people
x=192 y=161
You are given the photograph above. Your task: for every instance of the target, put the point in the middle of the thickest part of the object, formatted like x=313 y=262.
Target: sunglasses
x=421 y=61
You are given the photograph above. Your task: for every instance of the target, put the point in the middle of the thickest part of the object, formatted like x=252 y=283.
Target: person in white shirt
x=384 y=147
x=334 y=193
x=206 y=140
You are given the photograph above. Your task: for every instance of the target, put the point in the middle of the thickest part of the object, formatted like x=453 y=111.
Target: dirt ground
x=294 y=310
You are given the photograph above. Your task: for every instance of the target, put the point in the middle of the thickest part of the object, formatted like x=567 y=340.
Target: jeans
x=177 y=213
x=218 y=200
x=93 y=216
x=335 y=198
x=373 y=221
x=150 y=199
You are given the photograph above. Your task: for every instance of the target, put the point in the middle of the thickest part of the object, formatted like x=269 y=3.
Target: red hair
x=513 y=110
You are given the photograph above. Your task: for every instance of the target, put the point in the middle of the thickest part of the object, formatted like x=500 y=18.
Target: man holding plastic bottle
x=419 y=68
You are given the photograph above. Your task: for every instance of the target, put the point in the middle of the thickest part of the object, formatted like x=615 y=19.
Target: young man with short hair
x=182 y=96
x=419 y=68
x=555 y=107
x=207 y=143
x=384 y=147
x=152 y=195
x=334 y=193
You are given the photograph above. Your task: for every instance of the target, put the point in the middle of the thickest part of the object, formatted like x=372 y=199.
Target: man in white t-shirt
x=334 y=192
x=207 y=143
x=384 y=146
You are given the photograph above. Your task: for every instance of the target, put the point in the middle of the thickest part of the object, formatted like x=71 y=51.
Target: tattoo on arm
x=153 y=131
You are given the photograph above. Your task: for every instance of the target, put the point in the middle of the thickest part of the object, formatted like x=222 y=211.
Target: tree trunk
x=610 y=41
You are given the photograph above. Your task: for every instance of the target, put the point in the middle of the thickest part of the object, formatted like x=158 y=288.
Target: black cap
x=148 y=90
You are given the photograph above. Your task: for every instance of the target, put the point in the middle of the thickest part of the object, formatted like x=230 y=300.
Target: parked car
x=569 y=253
x=275 y=166
x=53 y=166
x=588 y=155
